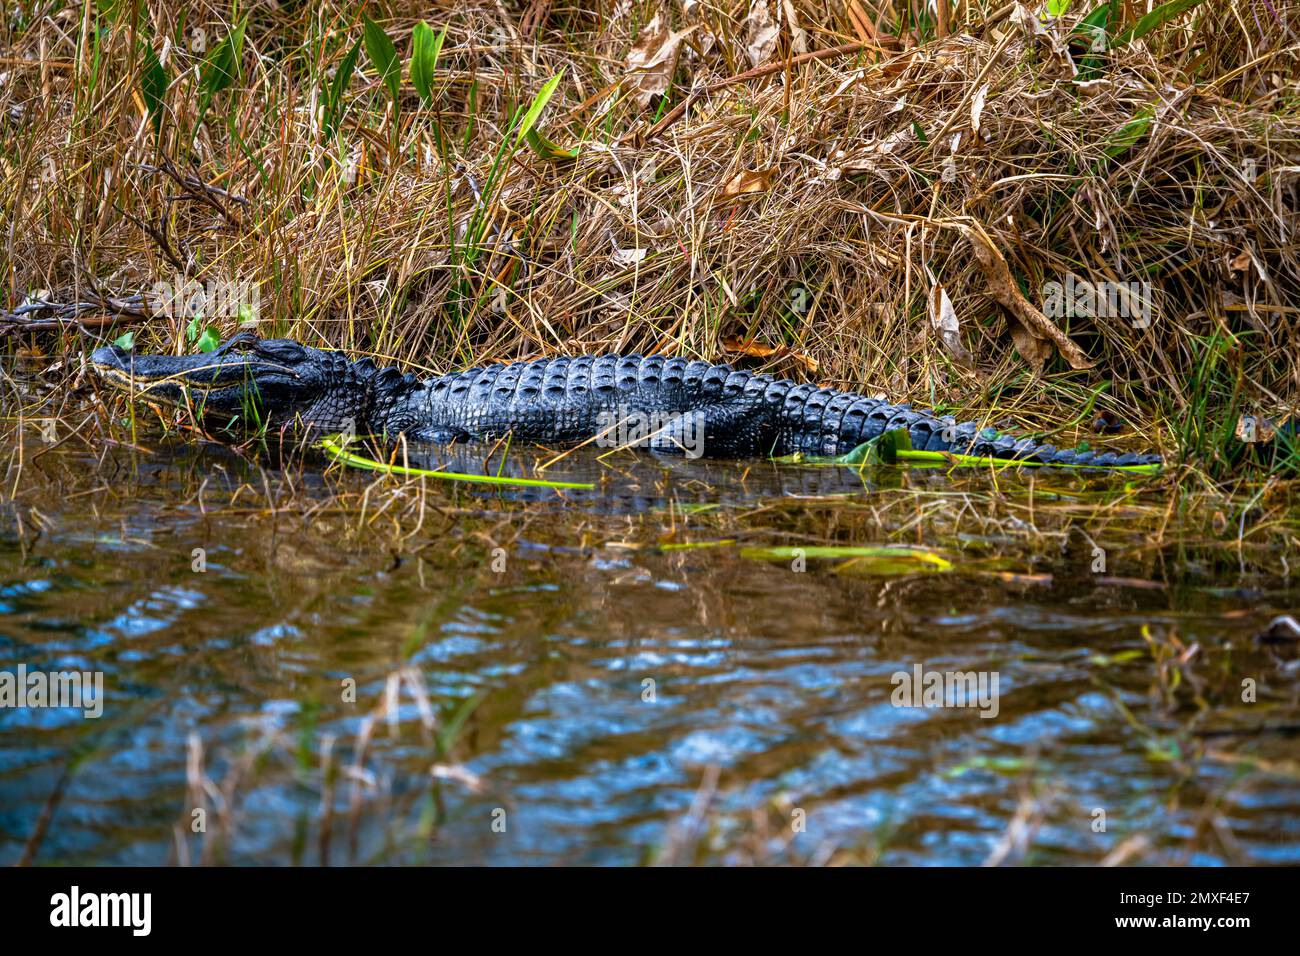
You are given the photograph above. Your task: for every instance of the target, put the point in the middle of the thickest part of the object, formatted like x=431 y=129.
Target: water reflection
x=585 y=682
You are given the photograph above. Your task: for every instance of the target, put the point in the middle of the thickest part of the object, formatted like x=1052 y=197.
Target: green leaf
x=153 y=87
x=1123 y=139
x=424 y=59
x=881 y=450
x=125 y=341
x=221 y=67
x=383 y=57
x=1098 y=19
x=1155 y=19
x=209 y=340
x=1007 y=766
x=192 y=328
x=539 y=103
x=1057 y=8
x=547 y=149
x=1094 y=31
x=109 y=8
x=334 y=108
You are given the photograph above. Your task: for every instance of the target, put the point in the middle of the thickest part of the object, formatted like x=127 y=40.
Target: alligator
x=671 y=405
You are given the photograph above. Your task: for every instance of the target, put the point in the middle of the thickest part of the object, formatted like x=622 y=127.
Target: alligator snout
x=111 y=356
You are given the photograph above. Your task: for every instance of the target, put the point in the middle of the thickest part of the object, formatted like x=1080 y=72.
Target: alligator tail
x=866 y=419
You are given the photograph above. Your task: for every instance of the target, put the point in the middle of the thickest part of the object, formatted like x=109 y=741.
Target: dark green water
x=532 y=624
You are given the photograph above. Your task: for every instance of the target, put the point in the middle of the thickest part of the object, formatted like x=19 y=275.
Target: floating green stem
x=339 y=453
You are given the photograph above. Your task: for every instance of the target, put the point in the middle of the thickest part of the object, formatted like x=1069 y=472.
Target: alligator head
x=249 y=382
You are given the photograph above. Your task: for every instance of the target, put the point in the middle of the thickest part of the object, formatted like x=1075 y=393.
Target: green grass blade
x=547 y=149
x=1123 y=139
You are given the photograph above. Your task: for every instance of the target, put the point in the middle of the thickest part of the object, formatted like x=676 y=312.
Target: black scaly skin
x=554 y=401
x=561 y=400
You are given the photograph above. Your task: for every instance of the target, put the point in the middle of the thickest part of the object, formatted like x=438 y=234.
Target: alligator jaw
x=247 y=378
x=154 y=382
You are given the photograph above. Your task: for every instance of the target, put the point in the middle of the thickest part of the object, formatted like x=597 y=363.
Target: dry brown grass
x=830 y=182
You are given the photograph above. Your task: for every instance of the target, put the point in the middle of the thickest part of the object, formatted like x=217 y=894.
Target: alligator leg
x=716 y=431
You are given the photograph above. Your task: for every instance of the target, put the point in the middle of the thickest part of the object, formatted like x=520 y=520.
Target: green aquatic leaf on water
x=697 y=507
x=337 y=452
x=895 y=447
x=908 y=558
x=694 y=545
x=1163 y=749
x=1121 y=657
x=1007 y=766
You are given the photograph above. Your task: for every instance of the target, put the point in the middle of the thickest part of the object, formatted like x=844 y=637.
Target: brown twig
x=159 y=235
x=678 y=111
x=195 y=189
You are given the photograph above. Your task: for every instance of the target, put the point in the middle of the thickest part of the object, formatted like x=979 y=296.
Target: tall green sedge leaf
x=425 y=49
x=221 y=67
x=383 y=57
x=539 y=103
x=1155 y=19
x=335 y=108
x=153 y=87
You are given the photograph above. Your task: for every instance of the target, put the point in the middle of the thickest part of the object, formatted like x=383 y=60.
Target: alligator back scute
x=580 y=377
